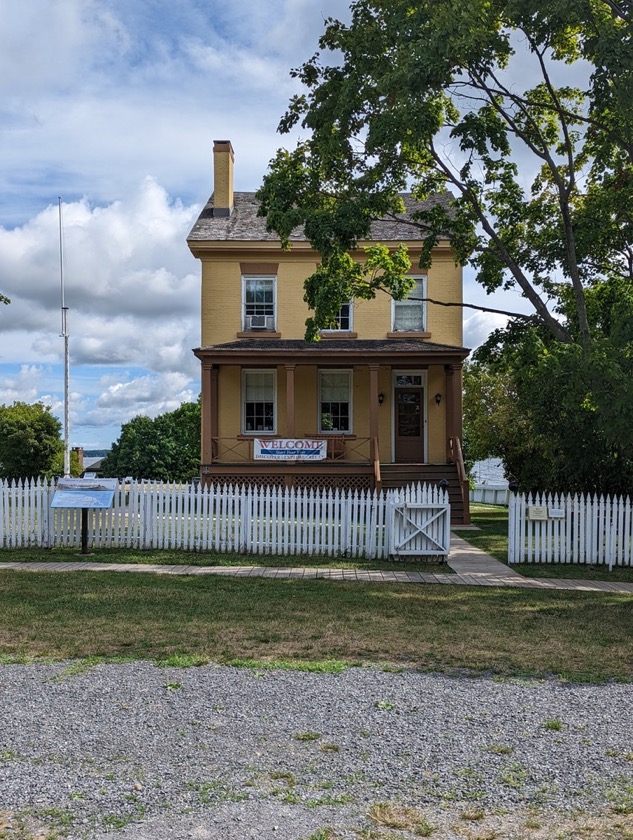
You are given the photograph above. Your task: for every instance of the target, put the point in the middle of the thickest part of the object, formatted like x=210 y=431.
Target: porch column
x=373 y=408
x=209 y=411
x=453 y=403
x=213 y=424
x=457 y=402
x=290 y=400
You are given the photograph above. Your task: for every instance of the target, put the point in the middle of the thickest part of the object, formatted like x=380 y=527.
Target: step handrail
x=457 y=457
x=376 y=459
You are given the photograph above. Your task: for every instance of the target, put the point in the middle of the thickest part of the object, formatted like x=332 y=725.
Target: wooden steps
x=399 y=475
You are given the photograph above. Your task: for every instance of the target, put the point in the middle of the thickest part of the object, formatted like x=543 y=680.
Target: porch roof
x=383 y=351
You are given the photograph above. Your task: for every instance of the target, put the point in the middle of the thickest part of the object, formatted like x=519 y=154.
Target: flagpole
x=65 y=336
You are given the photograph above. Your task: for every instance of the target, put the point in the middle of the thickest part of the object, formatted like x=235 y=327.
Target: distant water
x=489 y=471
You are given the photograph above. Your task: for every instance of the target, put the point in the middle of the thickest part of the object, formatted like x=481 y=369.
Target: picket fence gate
x=553 y=528
x=253 y=520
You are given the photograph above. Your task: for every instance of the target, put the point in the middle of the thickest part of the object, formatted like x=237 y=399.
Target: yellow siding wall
x=222 y=299
x=436 y=415
x=306 y=407
x=221 y=323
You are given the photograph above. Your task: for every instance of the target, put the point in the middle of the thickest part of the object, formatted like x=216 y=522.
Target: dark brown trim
x=290 y=400
x=264 y=357
x=207 y=413
x=373 y=405
x=331 y=334
x=213 y=420
x=247 y=269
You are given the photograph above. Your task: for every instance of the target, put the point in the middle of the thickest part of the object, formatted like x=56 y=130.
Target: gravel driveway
x=136 y=751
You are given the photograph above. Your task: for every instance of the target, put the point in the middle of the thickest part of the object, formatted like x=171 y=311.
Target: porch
x=399 y=422
x=349 y=466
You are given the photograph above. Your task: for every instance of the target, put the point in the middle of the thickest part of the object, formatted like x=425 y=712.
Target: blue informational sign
x=84 y=493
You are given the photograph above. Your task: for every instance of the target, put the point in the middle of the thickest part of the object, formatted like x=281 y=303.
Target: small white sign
x=556 y=513
x=289 y=449
x=537 y=512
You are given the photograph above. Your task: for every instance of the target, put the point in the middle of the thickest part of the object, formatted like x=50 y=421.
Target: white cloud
x=129 y=279
x=21 y=387
x=146 y=395
x=478 y=327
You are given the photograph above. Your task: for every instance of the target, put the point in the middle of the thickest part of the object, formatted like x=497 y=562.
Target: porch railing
x=342 y=448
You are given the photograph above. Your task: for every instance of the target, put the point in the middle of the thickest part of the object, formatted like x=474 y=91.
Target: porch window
x=259 y=303
x=409 y=315
x=258 y=389
x=335 y=401
x=343 y=322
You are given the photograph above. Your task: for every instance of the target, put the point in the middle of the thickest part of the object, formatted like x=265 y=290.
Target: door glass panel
x=409 y=415
x=404 y=380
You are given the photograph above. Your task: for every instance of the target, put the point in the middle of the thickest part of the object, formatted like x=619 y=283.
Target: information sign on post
x=86 y=494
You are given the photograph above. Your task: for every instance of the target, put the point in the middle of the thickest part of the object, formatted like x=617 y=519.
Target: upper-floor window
x=258 y=400
x=343 y=321
x=335 y=401
x=409 y=315
x=259 y=303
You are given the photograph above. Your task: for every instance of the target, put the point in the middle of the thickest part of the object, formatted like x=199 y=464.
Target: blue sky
x=114 y=105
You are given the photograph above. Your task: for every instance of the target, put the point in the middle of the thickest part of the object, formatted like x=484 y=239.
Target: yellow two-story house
x=383 y=388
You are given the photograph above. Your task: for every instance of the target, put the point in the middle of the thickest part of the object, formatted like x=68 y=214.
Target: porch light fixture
x=381 y=398
x=438 y=398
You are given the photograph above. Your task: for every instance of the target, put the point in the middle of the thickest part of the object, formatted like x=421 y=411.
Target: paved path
x=471 y=567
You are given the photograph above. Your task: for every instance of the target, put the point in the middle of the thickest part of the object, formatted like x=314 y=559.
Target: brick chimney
x=223 y=158
x=79 y=452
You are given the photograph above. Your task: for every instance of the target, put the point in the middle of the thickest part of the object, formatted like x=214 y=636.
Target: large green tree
x=30 y=441
x=557 y=415
x=523 y=111
x=166 y=448
x=430 y=97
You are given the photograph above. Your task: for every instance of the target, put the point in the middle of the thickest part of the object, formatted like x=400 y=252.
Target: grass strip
x=74 y=615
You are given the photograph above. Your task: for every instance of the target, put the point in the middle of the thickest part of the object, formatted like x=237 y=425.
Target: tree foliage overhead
x=480 y=99
x=30 y=441
x=166 y=448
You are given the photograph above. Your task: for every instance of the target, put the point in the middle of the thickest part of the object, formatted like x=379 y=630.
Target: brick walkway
x=471 y=567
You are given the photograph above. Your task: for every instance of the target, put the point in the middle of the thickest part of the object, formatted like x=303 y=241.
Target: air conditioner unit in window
x=259 y=322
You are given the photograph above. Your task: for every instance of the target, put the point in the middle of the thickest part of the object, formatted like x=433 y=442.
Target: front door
x=409 y=421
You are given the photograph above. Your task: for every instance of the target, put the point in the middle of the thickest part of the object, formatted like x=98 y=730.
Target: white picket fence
x=550 y=528
x=153 y=515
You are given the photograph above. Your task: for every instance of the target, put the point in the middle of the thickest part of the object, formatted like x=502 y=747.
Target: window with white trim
x=259 y=303
x=409 y=315
x=343 y=319
x=335 y=401
x=258 y=401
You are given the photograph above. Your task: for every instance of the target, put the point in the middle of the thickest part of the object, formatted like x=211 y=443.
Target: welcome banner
x=290 y=449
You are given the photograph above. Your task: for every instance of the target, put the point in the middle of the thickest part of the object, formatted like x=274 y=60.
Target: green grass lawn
x=492 y=538
x=211 y=558
x=581 y=636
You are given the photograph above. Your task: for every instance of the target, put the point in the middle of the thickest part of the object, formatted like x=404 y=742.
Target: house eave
x=327 y=354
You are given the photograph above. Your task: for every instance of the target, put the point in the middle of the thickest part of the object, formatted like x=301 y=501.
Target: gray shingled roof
x=245 y=225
